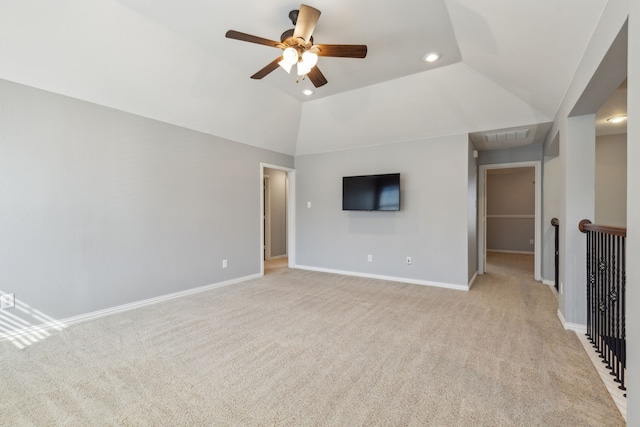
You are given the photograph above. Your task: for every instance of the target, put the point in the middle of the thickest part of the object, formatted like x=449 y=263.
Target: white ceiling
x=504 y=64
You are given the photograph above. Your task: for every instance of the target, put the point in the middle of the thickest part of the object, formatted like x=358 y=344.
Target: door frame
x=291 y=213
x=266 y=217
x=482 y=214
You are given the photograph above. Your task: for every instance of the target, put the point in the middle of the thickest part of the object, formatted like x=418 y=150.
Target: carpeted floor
x=306 y=348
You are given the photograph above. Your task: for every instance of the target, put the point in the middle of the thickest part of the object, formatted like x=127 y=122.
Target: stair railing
x=606 y=280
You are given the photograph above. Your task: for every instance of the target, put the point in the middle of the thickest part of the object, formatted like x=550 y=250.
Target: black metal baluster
x=608 y=313
x=556 y=225
x=606 y=304
x=623 y=352
x=594 y=289
x=618 y=313
x=600 y=293
x=590 y=285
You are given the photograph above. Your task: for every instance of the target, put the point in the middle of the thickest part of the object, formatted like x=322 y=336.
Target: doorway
x=277 y=217
x=521 y=238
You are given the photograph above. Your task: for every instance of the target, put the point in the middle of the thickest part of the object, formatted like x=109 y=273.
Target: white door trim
x=267 y=217
x=291 y=214
x=482 y=209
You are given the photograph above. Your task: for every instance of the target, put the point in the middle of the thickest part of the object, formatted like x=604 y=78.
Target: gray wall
x=278 y=204
x=633 y=224
x=510 y=209
x=551 y=208
x=472 y=215
x=611 y=180
x=601 y=70
x=431 y=226
x=102 y=208
x=526 y=153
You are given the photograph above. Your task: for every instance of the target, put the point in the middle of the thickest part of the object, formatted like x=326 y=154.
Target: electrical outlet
x=224 y=263
x=7 y=301
x=370 y=258
x=408 y=260
x=531 y=241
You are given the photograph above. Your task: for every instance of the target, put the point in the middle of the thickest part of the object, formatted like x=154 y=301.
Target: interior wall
x=551 y=202
x=633 y=224
x=431 y=226
x=595 y=69
x=278 y=205
x=472 y=215
x=577 y=153
x=611 y=180
x=526 y=153
x=101 y=208
x=511 y=209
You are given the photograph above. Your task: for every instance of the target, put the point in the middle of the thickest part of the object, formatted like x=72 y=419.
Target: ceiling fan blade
x=306 y=23
x=236 y=35
x=267 y=69
x=317 y=78
x=342 y=50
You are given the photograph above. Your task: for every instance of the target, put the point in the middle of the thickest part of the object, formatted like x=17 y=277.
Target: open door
x=483 y=217
x=282 y=236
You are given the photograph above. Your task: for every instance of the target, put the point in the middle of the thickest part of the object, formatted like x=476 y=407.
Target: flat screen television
x=371 y=192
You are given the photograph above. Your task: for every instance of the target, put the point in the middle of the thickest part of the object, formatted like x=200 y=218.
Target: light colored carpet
x=307 y=348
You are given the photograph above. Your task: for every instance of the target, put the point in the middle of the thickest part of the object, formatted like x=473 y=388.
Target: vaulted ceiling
x=504 y=65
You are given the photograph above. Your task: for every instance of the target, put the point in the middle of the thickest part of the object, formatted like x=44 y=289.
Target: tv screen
x=371 y=192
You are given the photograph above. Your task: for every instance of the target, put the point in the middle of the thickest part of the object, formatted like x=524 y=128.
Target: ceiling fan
x=298 y=48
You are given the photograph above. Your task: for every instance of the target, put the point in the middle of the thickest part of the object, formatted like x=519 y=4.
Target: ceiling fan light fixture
x=310 y=59
x=285 y=66
x=431 y=57
x=303 y=69
x=290 y=56
x=617 y=119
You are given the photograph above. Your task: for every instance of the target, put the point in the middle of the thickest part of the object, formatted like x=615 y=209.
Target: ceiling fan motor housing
x=286 y=35
x=293 y=15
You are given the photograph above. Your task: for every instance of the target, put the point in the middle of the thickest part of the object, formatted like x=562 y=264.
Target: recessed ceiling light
x=431 y=57
x=617 y=119
x=307 y=92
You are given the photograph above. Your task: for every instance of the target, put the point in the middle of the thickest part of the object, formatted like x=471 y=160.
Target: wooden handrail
x=555 y=222
x=586 y=225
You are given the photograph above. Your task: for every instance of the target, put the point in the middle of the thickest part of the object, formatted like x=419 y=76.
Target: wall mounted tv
x=371 y=192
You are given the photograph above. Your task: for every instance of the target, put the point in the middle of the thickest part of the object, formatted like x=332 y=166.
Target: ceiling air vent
x=512 y=135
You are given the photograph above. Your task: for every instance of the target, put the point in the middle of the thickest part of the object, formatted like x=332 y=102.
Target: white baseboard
x=576 y=327
x=64 y=323
x=552 y=286
x=381 y=277
x=473 y=279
